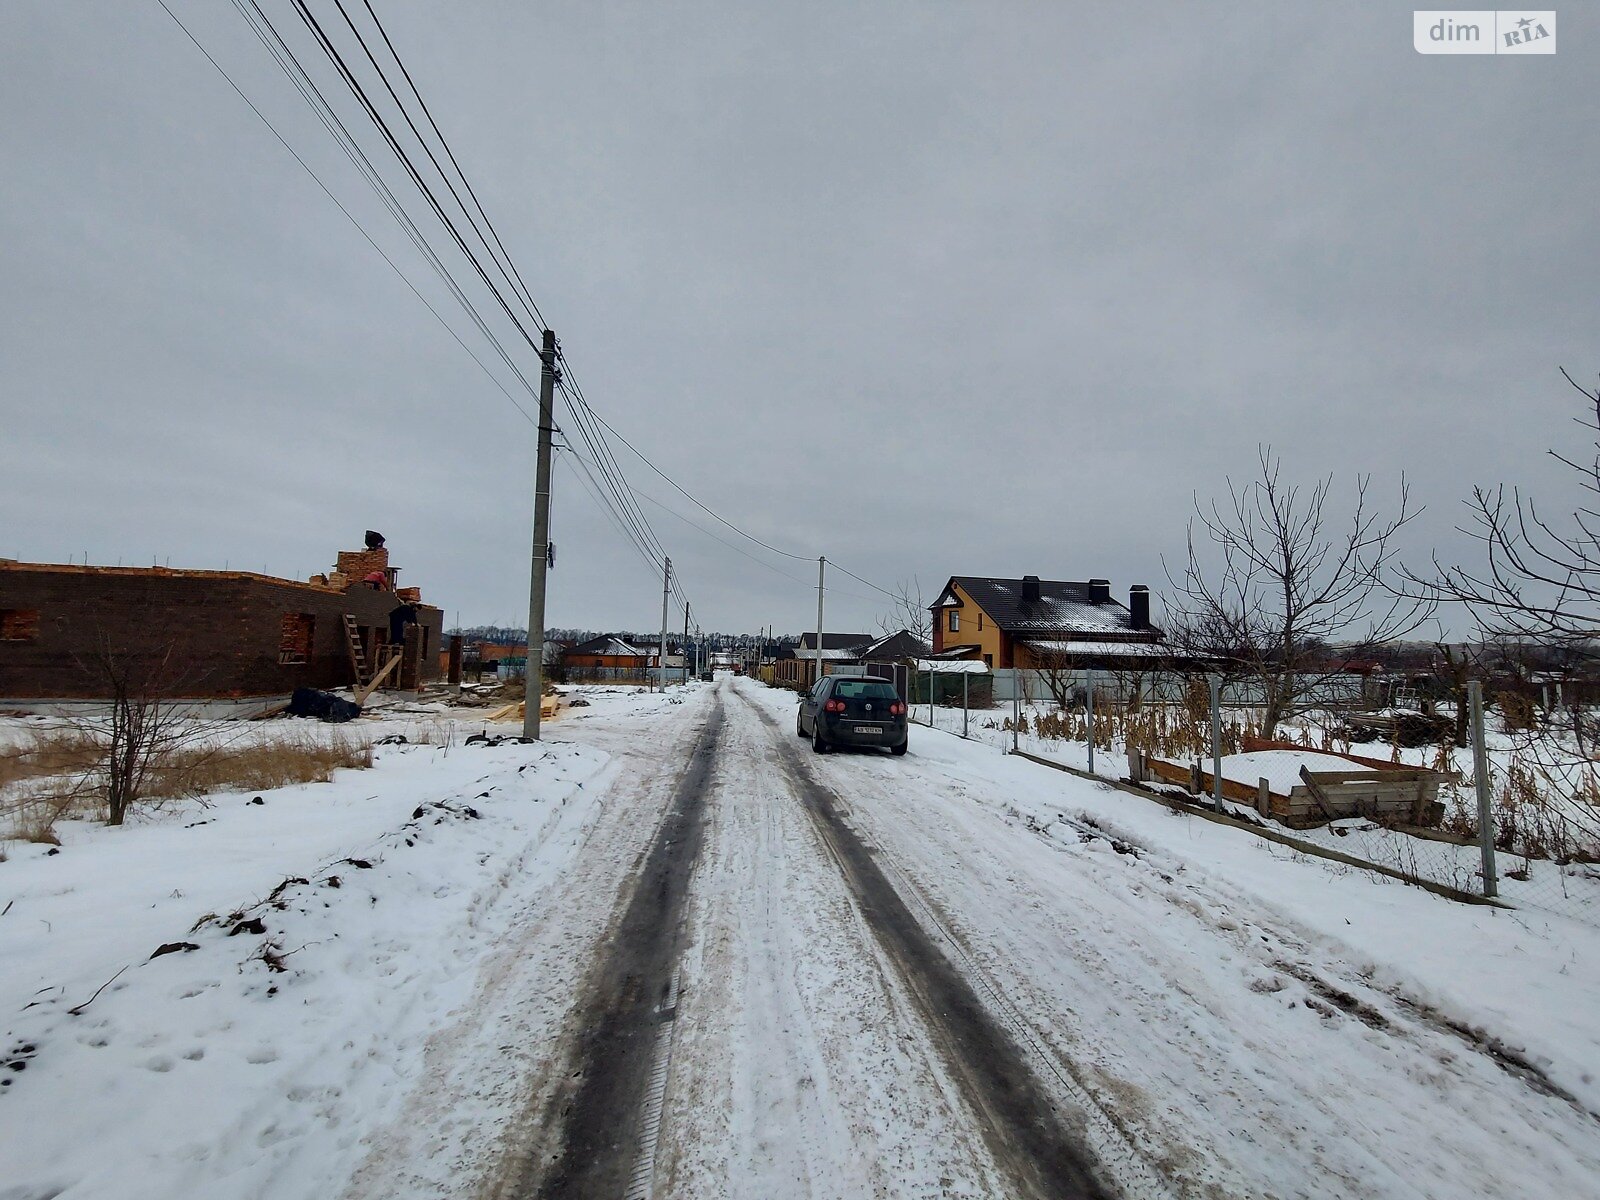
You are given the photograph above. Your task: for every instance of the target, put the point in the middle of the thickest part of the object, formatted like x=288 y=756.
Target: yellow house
x=1020 y=623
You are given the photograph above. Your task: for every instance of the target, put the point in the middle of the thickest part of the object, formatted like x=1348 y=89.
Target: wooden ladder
x=358 y=656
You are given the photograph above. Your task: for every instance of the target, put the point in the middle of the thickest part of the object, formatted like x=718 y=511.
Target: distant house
x=610 y=657
x=797 y=665
x=1031 y=623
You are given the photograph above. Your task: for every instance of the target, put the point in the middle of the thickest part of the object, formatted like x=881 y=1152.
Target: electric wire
x=576 y=387
x=444 y=142
x=361 y=229
x=610 y=471
x=428 y=150
x=290 y=64
x=353 y=84
x=611 y=480
x=611 y=488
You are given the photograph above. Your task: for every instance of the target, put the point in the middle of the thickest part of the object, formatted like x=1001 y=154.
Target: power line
x=611 y=476
x=643 y=495
x=573 y=384
x=315 y=178
x=622 y=506
x=450 y=154
x=602 y=472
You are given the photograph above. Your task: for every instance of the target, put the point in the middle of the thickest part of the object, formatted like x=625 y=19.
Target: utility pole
x=666 y=587
x=821 y=566
x=685 y=643
x=533 y=675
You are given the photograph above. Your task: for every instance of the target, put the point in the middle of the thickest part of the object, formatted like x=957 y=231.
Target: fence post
x=1016 y=706
x=1089 y=709
x=1216 y=740
x=1480 y=765
x=965 y=676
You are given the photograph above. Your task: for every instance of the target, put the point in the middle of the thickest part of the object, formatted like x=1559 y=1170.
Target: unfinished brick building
x=207 y=634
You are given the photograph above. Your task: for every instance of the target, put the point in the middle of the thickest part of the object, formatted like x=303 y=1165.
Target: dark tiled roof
x=610 y=644
x=1063 y=607
x=833 y=641
x=900 y=644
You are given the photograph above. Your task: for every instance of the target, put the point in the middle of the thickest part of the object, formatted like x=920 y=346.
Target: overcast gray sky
x=932 y=289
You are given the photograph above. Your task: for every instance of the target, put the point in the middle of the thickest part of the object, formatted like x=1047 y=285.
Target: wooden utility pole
x=666 y=588
x=533 y=675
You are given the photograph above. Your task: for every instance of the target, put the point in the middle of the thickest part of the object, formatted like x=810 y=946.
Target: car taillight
x=897 y=709
x=833 y=706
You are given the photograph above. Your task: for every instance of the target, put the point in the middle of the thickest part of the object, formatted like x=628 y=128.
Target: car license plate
x=868 y=729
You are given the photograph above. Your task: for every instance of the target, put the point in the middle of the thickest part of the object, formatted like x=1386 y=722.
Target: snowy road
x=672 y=953
x=892 y=984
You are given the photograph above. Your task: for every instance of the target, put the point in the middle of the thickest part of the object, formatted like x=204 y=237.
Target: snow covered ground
x=406 y=914
x=1570 y=889
x=1257 y=1022
x=1206 y=1014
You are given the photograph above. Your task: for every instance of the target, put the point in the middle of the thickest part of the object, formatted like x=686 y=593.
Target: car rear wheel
x=818 y=742
x=902 y=747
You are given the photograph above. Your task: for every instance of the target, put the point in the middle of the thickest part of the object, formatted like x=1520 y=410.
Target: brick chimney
x=1030 y=588
x=1099 y=591
x=1139 y=605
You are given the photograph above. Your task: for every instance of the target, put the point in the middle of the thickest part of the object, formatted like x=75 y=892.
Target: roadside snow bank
x=311 y=943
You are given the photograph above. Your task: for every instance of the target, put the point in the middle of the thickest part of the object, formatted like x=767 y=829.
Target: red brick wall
x=219 y=633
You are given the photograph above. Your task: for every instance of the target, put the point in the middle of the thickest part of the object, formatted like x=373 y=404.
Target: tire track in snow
x=1401 y=1058
x=1021 y=1123
x=607 y=1120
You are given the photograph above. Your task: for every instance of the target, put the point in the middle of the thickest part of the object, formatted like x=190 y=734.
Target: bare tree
x=1459 y=665
x=1058 y=673
x=1294 y=577
x=908 y=612
x=1537 y=584
x=141 y=724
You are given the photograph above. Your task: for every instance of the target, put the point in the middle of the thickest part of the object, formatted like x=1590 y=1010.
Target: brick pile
x=358 y=564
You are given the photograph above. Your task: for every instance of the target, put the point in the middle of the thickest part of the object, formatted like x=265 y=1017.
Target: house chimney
x=1030 y=587
x=1099 y=591
x=1139 y=605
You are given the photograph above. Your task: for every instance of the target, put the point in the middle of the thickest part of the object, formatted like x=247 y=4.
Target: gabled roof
x=831 y=641
x=610 y=645
x=900 y=644
x=1063 y=607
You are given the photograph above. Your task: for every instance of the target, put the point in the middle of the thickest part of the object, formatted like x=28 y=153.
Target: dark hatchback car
x=852 y=710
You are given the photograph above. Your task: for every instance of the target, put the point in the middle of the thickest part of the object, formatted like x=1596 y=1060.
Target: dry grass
x=60 y=774
x=49 y=752
x=193 y=771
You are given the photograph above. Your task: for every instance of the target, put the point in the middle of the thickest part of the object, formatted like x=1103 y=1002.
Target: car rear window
x=850 y=689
